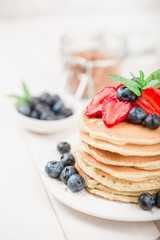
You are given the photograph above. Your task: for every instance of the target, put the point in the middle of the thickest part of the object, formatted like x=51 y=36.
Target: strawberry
x=119 y=86
x=114 y=111
x=158 y=90
x=149 y=101
x=95 y=106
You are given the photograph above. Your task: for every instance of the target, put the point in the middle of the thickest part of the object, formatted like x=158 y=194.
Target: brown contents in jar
x=99 y=74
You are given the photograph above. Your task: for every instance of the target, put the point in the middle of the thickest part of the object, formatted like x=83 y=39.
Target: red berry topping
x=158 y=90
x=114 y=111
x=119 y=86
x=95 y=106
x=149 y=101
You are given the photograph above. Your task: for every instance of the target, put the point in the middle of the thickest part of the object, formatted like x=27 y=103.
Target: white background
x=30 y=32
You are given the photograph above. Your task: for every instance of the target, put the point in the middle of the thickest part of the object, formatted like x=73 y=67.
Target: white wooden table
x=29 y=49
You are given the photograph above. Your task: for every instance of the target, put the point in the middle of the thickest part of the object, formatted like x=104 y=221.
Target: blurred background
x=126 y=32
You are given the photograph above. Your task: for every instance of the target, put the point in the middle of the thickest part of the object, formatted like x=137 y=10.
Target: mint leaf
x=26 y=91
x=19 y=99
x=133 y=86
x=153 y=76
x=137 y=79
x=141 y=78
x=154 y=84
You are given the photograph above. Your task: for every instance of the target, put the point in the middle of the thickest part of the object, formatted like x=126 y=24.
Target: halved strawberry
x=149 y=101
x=119 y=86
x=95 y=106
x=114 y=111
x=158 y=90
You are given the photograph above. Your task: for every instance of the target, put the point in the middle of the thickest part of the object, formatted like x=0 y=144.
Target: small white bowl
x=46 y=127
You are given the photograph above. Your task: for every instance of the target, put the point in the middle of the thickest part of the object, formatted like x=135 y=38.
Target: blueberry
x=158 y=199
x=125 y=94
x=67 y=159
x=44 y=97
x=60 y=116
x=76 y=183
x=67 y=112
x=53 y=99
x=57 y=106
x=47 y=115
x=24 y=110
x=146 y=201
x=54 y=169
x=152 y=121
x=67 y=172
x=33 y=101
x=40 y=108
x=34 y=114
x=137 y=115
x=63 y=147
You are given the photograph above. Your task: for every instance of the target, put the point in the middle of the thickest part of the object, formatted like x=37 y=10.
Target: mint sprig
x=22 y=99
x=153 y=80
x=133 y=86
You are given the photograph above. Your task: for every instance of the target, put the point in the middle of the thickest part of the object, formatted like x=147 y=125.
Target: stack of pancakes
x=118 y=163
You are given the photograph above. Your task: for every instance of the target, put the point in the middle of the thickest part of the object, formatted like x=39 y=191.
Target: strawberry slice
x=114 y=111
x=95 y=106
x=119 y=86
x=158 y=90
x=149 y=101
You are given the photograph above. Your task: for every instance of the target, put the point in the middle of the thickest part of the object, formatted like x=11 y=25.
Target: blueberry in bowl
x=46 y=113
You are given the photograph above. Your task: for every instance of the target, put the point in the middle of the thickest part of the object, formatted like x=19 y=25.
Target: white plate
x=93 y=205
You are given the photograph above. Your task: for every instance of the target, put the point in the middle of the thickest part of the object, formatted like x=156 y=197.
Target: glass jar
x=89 y=58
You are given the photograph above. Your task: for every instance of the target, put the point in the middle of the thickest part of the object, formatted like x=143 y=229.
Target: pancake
x=127 y=150
x=92 y=183
x=115 y=183
x=121 y=172
x=112 y=197
x=102 y=191
x=122 y=133
x=144 y=162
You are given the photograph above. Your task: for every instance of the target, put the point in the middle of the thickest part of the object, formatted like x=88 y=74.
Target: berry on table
x=146 y=201
x=54 y=169
x=76 y=183
x=152 y=121
x=63 y=147
x=67 y=159
x=67 y=172
x=158 y=199
x=125 y=94
x=136 y=115
x=24 y=110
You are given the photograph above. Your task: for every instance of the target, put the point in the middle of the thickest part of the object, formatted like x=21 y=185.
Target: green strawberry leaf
x=26 y=91
x=154 y=84
x=153 y=76
x=133 y=86
x=19 y=99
